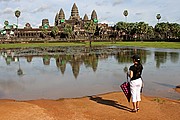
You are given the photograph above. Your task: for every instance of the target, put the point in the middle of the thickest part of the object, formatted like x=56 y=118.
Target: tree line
x=142 y=31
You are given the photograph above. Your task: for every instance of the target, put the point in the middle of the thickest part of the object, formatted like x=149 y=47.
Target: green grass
x=159 y=100
x=171 y=45
x=26 y=45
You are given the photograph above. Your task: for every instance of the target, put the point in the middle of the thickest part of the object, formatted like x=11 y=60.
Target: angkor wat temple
x=74 y=19
x=44 y=32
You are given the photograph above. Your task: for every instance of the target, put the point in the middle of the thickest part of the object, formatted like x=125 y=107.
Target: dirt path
x=113 y=106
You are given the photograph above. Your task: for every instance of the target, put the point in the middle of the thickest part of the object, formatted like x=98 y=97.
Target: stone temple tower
x=85 y=17
x=61 y=14
x=74 y=18
x=60 y=17
x=74 y=13
x=94 y=16
x=45 y=23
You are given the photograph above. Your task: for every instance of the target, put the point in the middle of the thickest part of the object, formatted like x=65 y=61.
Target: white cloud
x=117 y=2
x=5 y=0
x=10 y=0
x=8 y=11
x=41 y=8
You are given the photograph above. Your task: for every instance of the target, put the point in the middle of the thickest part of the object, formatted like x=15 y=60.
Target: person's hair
x=138 y=69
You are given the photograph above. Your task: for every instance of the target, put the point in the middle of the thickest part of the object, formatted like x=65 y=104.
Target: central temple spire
x=61 y=14
x=74 y=19
x=74 y=12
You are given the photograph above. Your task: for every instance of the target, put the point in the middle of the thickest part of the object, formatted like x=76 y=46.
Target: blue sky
x=108 y=11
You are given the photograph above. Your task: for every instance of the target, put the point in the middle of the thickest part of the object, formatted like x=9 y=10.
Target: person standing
x=135 y=72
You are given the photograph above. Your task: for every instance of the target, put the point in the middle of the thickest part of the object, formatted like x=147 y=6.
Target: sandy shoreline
x=112 y=106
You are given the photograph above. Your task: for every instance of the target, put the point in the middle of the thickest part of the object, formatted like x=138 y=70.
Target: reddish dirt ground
x=113 y=106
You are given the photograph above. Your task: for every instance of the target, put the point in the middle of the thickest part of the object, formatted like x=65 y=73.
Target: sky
x=108 y=11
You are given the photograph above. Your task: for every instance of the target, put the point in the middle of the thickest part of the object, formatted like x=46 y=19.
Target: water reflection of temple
x=75 y=63
x=29 y=58
x=61 y=62
x=89 y=58
x=46 y=60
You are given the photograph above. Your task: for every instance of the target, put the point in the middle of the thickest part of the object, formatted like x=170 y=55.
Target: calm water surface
x=65 y=73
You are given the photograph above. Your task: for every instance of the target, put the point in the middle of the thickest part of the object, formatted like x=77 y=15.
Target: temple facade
x=75 y=21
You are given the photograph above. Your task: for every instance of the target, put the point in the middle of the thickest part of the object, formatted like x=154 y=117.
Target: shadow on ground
x=109 y=102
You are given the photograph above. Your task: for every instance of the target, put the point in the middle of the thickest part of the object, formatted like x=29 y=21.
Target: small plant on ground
x=159 y=100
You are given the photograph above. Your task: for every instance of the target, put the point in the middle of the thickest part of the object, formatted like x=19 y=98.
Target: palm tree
x=142 y=29
x=174 y=30
x=55 y=31
x=122 y=27
x=68 y=30
x=44 y=32
x=131 y=30
x=6 y=22
x=158 y=16
x=162 y=29
x=150 y=32
x=17 y=14
x=90 y=28
x=125 y=13
x=158 y=30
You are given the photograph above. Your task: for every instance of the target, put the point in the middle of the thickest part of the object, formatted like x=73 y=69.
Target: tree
x=142 y=29
x=125 y=13
x=68 y=30
x=44 y=32
x=6 y=23
x=128 y=30
x=162 y=29
x=150 y=32
x=122 y=26
x=158 y=16
x=175 y=30
x=17 y=14
x=55 y=31
x=90 y=28
x=131 y=30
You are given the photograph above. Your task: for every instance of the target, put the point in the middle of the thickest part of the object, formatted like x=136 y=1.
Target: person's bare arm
x=130 y=73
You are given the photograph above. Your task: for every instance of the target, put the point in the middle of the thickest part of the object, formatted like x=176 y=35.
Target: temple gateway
x=74 y=28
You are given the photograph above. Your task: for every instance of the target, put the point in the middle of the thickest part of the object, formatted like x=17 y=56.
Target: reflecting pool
x=71 y=72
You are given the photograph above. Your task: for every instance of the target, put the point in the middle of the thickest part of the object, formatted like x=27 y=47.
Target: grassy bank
x=171 y=45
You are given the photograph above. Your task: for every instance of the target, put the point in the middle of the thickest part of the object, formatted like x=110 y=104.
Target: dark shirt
x=137 y=71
